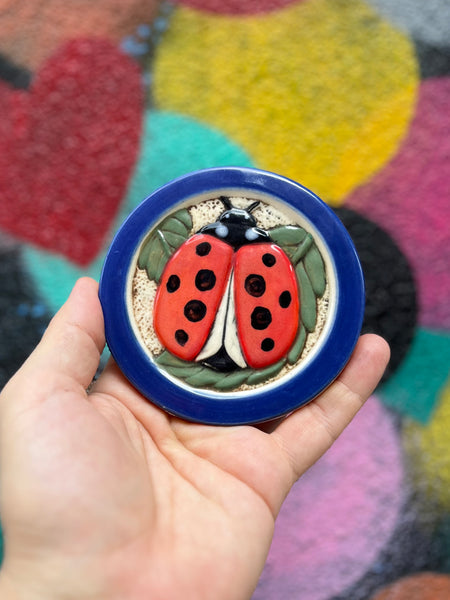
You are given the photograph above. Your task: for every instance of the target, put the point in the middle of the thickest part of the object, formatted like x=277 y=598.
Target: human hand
x=104 y=496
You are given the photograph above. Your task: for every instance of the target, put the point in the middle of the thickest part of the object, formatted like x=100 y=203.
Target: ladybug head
x=237 y=217
x=236 y=226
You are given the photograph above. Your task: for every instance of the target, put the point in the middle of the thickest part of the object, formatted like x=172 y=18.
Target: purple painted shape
x=410 y=198
x=7 y=241
x=340 y=515
x=237 y=7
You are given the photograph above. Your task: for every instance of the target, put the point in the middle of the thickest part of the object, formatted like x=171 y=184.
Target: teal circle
x=415 y=388
x=171 y=146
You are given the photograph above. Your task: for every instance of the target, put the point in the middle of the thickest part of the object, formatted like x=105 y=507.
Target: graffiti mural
x=352 y=100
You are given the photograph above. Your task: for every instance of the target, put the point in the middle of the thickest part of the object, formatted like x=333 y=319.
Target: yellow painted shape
x=429 y=448
x=321 y=91
x=376 y=141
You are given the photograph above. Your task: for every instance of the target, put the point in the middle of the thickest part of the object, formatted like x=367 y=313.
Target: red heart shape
x=68 y=147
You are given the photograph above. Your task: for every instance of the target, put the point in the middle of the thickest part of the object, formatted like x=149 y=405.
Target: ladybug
x=228 y=297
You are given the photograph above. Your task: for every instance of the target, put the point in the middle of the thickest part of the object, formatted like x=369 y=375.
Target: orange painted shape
x=191 y=288
x=267 y=303
x=423 y=586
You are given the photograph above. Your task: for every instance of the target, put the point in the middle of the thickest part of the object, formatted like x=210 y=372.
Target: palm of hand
x=115 y=481
x=141 y=503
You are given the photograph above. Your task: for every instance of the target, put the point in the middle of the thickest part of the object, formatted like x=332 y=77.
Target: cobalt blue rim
x=232 y=408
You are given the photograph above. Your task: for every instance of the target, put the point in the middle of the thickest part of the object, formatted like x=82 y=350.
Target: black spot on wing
x=203 y=249
x=267 y=344
x=194 y=310
x=255 y=285
x=181 y=337
x=205 y=280
x=261 y=318
x=269 y=259
x=173 y=283
x=285 y=299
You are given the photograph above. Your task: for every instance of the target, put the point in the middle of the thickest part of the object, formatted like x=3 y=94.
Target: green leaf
x=308 y=306
x=315 y=269
x=174 y=240
x=289 y=237
x=184 y=216
x=155 y=266
x=303 y=249
x=143 y=255
x=232 y=380
x=176 y=224
x=204 y=378
x=163 y=242
x=260 y=375
x=199 y=375
x=168 y=360
x=297 y=347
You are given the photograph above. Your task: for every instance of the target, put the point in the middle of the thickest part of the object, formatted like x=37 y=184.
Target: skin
x=103 y=495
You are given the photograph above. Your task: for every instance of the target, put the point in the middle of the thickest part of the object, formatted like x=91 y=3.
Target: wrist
x=28 y=586
x=23 y=589
x=7 y=591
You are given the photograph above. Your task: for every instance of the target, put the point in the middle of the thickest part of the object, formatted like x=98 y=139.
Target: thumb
x=69 y=352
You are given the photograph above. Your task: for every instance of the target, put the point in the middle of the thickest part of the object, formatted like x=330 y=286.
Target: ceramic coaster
x=232 y=296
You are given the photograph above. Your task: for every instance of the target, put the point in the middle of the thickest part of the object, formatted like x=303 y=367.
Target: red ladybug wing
x=267 y=303
x=191 y=288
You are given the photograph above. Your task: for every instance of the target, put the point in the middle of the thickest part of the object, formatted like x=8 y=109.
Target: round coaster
x=232 y=296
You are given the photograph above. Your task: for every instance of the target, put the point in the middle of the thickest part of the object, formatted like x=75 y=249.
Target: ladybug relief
x=228 y=296
x=233 y=302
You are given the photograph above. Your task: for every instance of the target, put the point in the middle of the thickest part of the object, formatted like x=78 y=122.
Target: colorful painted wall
x=102 y=102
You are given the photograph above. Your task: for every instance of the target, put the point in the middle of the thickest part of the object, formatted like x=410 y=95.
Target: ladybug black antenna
x=226 y=202
x=252 y=206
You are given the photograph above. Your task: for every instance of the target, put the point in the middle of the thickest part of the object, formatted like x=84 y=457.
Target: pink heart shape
x=68 y=147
